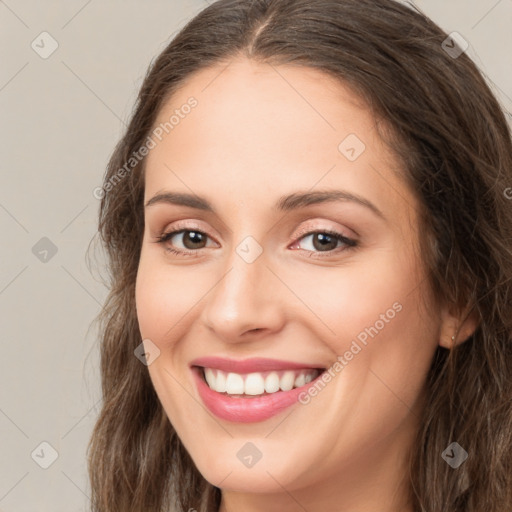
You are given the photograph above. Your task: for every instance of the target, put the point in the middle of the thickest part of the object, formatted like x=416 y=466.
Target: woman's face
x=265 y=274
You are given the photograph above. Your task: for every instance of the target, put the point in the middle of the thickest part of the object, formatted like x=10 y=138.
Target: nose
x=246 y=303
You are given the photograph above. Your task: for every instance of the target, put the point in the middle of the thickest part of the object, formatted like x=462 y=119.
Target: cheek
x=165 y=300
x=366 y=292
x=371 y=314
x=165 y=297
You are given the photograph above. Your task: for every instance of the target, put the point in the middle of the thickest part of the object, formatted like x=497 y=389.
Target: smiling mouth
x=255 y=384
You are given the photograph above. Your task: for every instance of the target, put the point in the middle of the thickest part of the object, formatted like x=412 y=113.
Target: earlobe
x=456 y=328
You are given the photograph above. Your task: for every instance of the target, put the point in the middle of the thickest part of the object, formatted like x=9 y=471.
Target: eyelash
x=349 y=242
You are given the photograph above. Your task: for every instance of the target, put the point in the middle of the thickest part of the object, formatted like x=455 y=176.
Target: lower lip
x=246 y=410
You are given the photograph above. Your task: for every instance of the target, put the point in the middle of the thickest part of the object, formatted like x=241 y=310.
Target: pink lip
x=246 y=410
x=257 y=364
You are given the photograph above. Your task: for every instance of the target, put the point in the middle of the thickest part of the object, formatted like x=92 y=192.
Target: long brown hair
x=452 y=136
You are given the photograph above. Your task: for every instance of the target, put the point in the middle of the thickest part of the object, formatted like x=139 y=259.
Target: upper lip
x=257 y=364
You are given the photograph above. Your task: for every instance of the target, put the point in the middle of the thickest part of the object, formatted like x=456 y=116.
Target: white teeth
x=254 y=384
x=220 y=382
x=300 y=381
x=257 y=383
x=287 y=381
x=210 y=377
x=272 y=382
x=234 y=384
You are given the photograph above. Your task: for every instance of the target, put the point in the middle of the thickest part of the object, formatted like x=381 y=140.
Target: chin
x=246 y=481
x=229 y=473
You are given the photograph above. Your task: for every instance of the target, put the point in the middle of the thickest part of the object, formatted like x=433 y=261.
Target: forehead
x=259 y=127
x=265 y=100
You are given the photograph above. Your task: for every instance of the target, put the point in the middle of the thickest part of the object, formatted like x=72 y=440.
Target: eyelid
x=305 y=230
x=312 y=228
x=180 y=226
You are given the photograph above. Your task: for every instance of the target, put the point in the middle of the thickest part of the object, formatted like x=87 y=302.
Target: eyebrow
x=285 y=203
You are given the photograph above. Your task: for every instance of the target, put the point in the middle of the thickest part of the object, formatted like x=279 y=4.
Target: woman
x=309 y=236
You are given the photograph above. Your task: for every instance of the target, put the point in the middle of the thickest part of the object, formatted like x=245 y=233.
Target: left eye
x=323 y=241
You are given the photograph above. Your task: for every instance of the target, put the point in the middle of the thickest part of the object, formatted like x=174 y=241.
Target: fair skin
x=259 y=133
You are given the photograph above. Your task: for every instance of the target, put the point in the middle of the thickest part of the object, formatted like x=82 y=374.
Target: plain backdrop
x=61 y=115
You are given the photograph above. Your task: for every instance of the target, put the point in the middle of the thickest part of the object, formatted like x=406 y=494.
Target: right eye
x=191 y=241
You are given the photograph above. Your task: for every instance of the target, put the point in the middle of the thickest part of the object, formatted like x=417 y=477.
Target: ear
x=457 y=323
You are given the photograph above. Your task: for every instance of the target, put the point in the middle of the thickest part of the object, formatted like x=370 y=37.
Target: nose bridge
x=241 y=300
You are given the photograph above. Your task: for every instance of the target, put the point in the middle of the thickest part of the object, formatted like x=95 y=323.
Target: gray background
x=61 y=117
